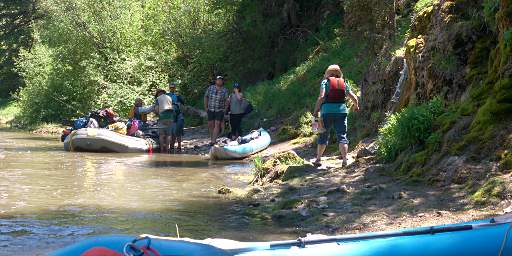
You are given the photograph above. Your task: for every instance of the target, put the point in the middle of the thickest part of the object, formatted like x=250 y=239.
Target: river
x=50 y=198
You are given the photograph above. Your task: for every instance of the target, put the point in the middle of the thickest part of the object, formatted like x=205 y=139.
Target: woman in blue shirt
x=331 y=104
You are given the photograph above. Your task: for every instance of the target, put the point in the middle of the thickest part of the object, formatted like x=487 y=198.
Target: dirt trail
x=362 y=197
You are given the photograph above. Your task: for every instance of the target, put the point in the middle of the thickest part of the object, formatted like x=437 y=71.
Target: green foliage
x=493 y=190
x=446 y=62
x=409 y=127
x=422 y=4
x=8 y=110
x=434 y=141
x=295 y=93
x=296 y=128
x=289 y=158
x=507 y=38
x=259 y=167
x=280 y=163
x=506 y=161
x=88 y=55
x=93 y=55
x=490 y=8
x=15 y=35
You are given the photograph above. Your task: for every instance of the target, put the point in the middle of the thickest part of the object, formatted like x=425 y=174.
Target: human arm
x=206 y=102
x=132 y=112
x=320 y=100
x=146 y=110
x=227 y=103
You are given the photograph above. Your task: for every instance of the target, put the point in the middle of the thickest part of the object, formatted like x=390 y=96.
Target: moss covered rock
x=495 y=189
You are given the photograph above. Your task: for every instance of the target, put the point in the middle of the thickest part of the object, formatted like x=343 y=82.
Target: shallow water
x=50 y=198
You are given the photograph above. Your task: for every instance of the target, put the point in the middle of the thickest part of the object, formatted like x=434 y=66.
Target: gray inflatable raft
x=103 y=140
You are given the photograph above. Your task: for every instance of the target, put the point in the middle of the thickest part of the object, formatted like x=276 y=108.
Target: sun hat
x=333 y=69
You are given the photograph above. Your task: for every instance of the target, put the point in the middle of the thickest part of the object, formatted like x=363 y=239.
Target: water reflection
x=49 y=197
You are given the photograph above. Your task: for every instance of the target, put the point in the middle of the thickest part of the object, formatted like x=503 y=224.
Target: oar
x=302 y=242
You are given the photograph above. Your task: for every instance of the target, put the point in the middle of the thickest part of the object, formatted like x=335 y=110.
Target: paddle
x=302 y=242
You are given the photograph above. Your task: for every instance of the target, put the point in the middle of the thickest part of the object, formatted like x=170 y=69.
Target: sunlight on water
x=50 y=198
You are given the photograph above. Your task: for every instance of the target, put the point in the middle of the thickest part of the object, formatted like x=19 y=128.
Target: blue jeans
x=178 y=126
x=339 y=121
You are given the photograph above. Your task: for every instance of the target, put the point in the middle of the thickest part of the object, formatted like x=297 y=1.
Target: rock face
x=440 y=50
x=437 y=51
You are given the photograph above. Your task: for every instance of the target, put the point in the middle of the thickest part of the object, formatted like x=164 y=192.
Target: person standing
x=216 y=102
x=179 y=122
x=236 y=111
x=165 y=120
x=332 y=106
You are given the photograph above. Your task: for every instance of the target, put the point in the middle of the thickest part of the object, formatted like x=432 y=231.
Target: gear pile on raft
x=104 y=131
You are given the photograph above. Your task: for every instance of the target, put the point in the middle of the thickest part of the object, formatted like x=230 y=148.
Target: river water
x=50 y=198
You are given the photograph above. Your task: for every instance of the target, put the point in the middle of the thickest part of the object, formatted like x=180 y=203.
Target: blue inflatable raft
x=487 y=237
x=241 y=151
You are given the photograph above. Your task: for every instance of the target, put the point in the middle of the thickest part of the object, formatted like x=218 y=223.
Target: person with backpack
x=179 y=122
x=216 y=102
x=331 y=104
x=237 y=106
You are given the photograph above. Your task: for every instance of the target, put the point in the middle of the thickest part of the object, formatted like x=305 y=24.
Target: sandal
x=344 y=163
x=317 y=163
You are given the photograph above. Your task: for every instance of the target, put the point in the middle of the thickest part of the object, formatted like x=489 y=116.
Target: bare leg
x=211 y=127
x=173 y=141
x=320 y=152
x=168 y=144
x=343 y=151
x=216 y=131
x=222 y=127
x=162 y=139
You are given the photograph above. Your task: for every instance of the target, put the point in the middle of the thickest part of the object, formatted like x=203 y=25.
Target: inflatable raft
x=228 y=152
x=487 y=237
x=103 y=140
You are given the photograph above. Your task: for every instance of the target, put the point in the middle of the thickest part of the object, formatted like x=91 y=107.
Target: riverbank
x=9 y=110
x=366 y=196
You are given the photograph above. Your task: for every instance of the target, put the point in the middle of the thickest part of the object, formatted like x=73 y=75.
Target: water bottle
x=314 y=124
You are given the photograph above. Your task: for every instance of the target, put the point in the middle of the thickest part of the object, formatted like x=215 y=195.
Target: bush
x=491 y=7
x=422 y=4
x=492 y=191
x=409 y=127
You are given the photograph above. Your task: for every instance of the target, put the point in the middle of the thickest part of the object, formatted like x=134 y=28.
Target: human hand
x=356 y=107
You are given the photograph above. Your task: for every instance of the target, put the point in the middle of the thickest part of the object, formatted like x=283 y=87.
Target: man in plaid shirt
x=216 y=102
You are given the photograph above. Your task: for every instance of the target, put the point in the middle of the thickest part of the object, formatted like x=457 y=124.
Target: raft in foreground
x=487 y=237
x=103 y=140
x=229 y=152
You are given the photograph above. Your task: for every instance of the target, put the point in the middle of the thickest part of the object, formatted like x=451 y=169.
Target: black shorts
x=215 y=116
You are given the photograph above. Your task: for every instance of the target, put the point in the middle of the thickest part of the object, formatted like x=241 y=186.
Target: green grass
x=492 y=191
x=411 y=127
x=402 y=33
x=293 y=94
x=8 y=110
